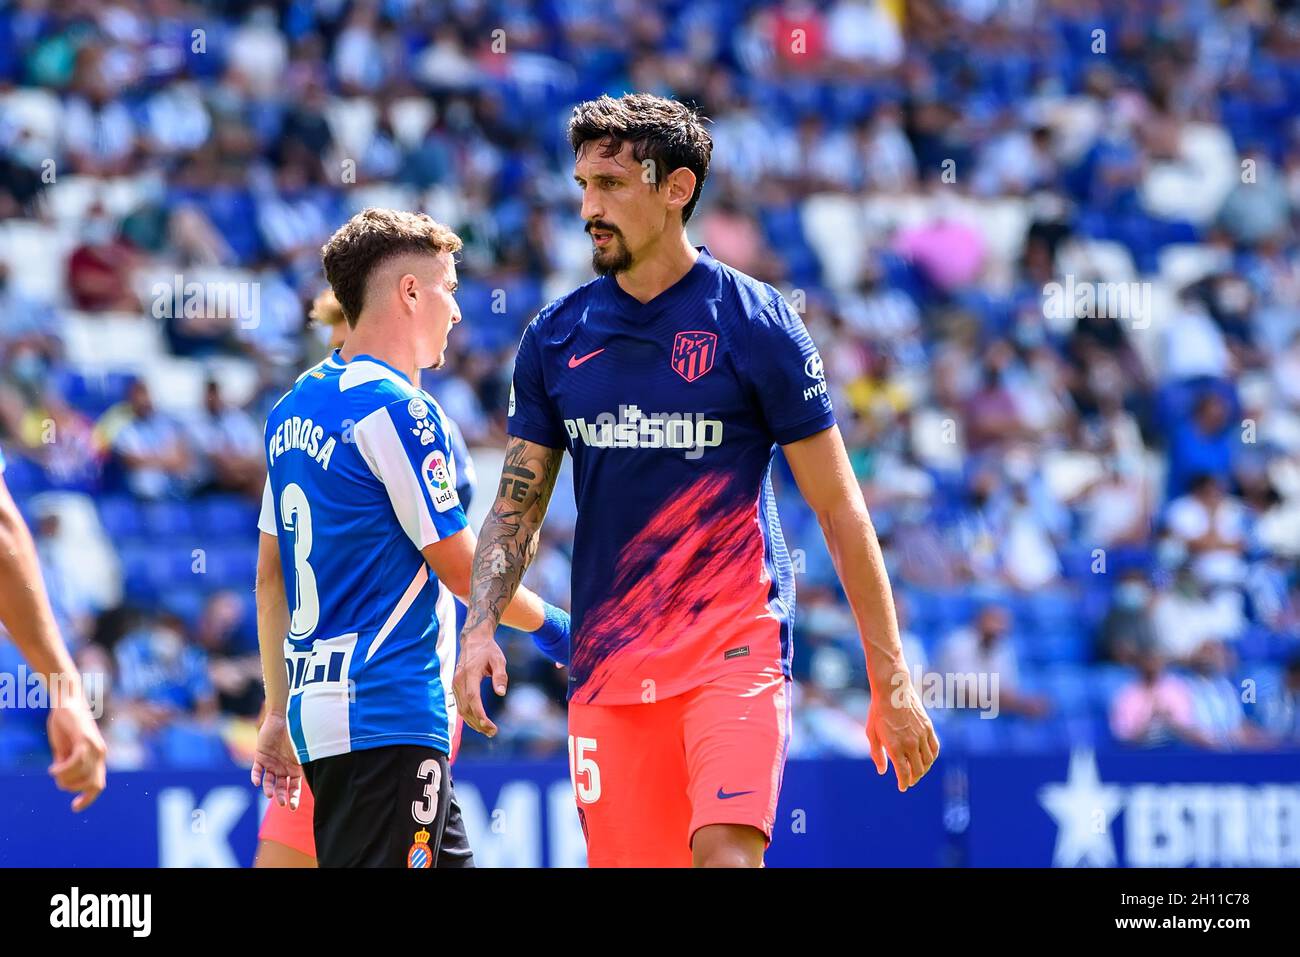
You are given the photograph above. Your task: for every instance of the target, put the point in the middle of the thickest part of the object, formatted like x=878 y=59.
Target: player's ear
x=679 y=187
x=408 y=288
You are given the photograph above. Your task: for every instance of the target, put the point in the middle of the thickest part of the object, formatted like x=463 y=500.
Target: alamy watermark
x=237 y=300
x=976 y=690
x=1130 y=301
x=24 y=689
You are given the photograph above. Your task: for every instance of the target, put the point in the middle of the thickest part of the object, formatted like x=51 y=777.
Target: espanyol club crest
x=420 y=856
x=418 y=409
x=693 y=354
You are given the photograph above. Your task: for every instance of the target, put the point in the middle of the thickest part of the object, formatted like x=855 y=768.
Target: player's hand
x=275 y=766
x=898 y=726
x=78 y=750
x=480 y=657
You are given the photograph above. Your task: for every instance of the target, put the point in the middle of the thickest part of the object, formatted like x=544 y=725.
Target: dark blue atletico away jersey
x=672 y=411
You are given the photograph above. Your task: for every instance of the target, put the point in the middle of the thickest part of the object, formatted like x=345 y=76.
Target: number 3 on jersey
x=295 y=515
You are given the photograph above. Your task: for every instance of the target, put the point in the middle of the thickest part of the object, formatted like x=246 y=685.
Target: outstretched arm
x=75 y=741
x=452 y=561
x=507 y=545
x=897 y=724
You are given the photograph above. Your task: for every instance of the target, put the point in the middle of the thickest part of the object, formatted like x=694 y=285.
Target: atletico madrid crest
x=693 y=354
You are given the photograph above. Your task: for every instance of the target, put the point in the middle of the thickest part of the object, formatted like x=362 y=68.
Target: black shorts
x=387 y=807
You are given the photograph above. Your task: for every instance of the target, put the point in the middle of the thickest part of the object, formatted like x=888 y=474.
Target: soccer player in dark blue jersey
x=671 y=379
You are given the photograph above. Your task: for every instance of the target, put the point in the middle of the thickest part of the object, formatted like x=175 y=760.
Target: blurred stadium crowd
x=1100 y=502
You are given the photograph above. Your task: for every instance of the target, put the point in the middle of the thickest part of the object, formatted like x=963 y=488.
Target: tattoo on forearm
x=509 y=539
x=515 y=482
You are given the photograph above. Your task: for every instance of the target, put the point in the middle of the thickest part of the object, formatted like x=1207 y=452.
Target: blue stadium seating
x=121 y=517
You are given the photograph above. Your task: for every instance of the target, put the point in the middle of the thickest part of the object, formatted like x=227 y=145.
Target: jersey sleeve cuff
x=535 y=433
x=801 y=430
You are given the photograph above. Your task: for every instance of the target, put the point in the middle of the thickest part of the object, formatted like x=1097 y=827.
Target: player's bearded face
x=609 y=252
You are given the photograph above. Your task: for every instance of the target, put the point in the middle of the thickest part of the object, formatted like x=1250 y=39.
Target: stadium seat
x=1034 y=735
x=1182 y=264
x=185 y=603
x=190 y=745
x=142 y=567
x=23 y=477
x=93 y=391
x=233 y=566
x=1106 y=681
x=105 y=342
x=833 y=225
x=35 y=253
x=220 y=517
x=168 y=520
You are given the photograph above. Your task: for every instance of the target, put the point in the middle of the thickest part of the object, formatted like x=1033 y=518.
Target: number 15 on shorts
x=583 y=771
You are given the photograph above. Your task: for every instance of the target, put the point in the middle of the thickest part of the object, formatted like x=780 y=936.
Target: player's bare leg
x=275 y=854
x=728 y=845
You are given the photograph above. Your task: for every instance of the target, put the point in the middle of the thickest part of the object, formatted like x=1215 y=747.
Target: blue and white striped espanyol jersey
x=359 y=479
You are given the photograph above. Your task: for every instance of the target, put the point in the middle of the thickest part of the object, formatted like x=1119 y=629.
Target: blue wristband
x=553 y=637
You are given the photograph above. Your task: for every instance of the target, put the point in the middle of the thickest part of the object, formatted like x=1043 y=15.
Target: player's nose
x=591 y=206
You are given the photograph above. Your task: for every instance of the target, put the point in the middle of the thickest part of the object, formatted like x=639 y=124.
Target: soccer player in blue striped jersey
x=364 y=544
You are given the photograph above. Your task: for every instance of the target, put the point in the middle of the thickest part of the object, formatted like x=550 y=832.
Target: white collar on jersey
x=362 y=369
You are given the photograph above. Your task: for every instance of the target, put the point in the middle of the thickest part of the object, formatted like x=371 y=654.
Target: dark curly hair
x=670 y=133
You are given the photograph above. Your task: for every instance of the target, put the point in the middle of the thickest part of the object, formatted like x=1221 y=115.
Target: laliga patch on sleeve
x=437 y=479
x=510 y=410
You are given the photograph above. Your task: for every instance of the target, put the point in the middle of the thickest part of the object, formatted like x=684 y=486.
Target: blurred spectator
x=26 y=315
x=913 y=648
x=1114 y=506
x=532 y=724
x=1026 y=545
x=1279 y=707
x=100 y=269
x=327 y=319
x=1156 y=708
x=1216 y=701
x=228 y=446
x=1184 y=616
x=1207 y=525
x=985 y=649
x=1256 y=210
x=992 y=413
x=1204 y=445
x=948 y=252
x=1193 y=347
x=827 y=724
x=149 y=445
x=161 y=677
x=62 y=441
x=98 y=128
x=234 y=662
x=1127 y=632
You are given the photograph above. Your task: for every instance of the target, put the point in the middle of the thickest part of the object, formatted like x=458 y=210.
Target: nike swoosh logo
x=723 y=795
x=574 y=361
